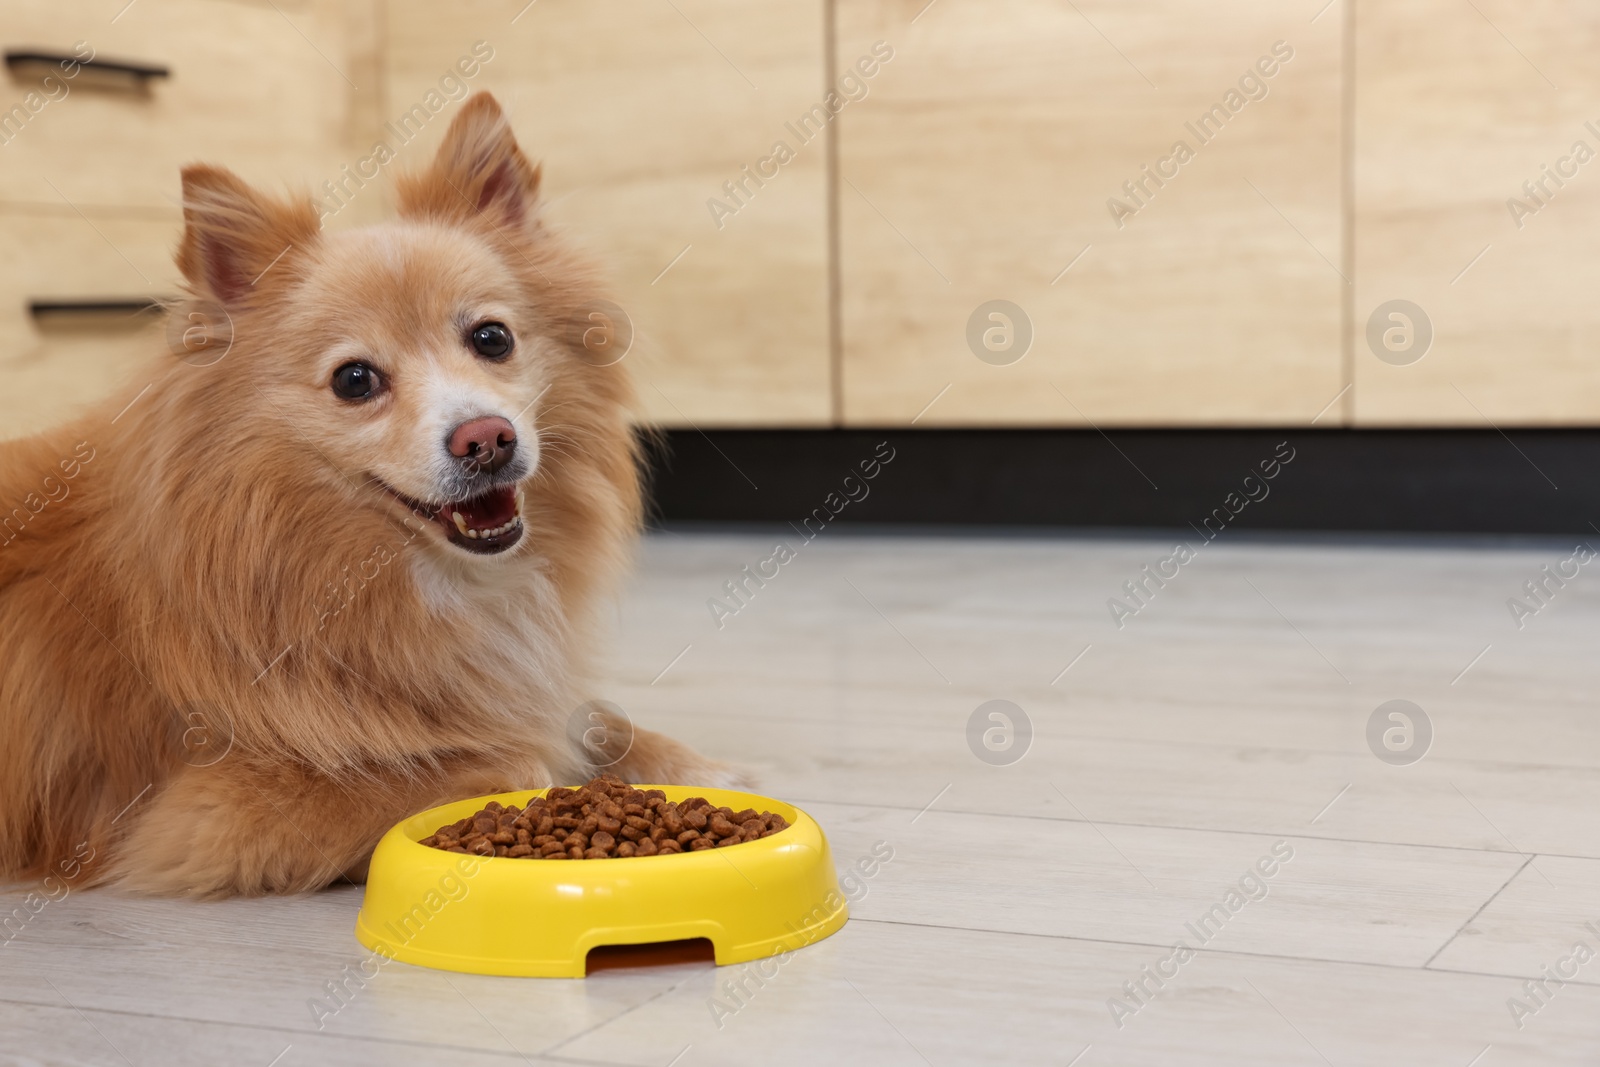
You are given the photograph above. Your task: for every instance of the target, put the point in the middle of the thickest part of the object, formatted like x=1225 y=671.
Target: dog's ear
x=479 y=172
x=232 y=235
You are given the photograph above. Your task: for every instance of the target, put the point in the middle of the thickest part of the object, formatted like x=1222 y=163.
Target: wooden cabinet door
x=54 y=366
x=986 y=163
x=642 y=112
x=264 y=89
x=1477 y=204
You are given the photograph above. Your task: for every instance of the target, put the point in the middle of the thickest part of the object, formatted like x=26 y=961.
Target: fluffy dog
x=277 y=602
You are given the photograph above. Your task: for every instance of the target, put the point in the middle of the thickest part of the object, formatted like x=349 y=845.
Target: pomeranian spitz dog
x=284 y=598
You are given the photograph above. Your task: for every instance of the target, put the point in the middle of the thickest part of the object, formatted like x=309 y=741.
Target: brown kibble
x=603 y=819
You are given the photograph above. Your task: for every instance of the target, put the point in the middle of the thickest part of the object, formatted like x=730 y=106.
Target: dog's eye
x=357 y=381
x=492 y=341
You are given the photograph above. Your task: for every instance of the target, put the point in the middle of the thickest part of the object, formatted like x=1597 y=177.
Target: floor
x=1379 y=903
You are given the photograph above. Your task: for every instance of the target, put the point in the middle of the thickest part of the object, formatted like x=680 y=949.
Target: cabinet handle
x=140 y=72
x=129 y=308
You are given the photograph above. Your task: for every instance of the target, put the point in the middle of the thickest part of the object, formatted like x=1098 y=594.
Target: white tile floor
x=1227 y=716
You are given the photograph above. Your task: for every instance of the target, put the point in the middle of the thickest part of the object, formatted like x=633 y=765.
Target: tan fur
x=199 y=540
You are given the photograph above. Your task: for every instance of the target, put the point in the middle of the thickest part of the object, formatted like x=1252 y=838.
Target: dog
x=281 y=598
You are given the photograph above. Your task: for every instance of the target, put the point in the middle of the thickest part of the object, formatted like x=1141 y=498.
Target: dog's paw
x=728 y=776
x=658 y=759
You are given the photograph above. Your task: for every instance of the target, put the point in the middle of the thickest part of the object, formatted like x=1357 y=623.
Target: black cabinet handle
x=141 y=72
x=140 y=306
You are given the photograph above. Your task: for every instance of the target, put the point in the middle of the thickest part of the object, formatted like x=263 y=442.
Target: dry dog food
x=606 y=819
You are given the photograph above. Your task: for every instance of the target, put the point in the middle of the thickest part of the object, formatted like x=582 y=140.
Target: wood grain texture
x=1208 y=709
x=1019 y=899
x=1533 y=923
x=1457 y=107
x=259 y=88
x=896 y=993
x=640 y=113
x=980 y=167
x=52 y=368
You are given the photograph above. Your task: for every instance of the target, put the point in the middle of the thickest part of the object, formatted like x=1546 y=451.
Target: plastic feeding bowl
x=541 y=918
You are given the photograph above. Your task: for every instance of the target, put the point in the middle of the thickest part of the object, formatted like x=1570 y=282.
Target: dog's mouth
x=487 y=523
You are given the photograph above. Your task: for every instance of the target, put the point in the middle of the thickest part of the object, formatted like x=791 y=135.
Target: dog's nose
x=486 y=443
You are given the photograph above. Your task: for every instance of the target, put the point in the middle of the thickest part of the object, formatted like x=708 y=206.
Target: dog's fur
x=194 y=558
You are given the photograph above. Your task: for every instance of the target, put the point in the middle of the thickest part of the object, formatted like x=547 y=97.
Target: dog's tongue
x=490 y=511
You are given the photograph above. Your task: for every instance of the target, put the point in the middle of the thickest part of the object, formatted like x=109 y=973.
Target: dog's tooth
x=472 y=534
x=461 y=523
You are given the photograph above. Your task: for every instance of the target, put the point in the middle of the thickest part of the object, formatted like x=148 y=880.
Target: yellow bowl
x=540 y=918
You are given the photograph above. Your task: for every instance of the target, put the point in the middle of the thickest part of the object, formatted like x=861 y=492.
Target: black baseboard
x=1435 y=481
